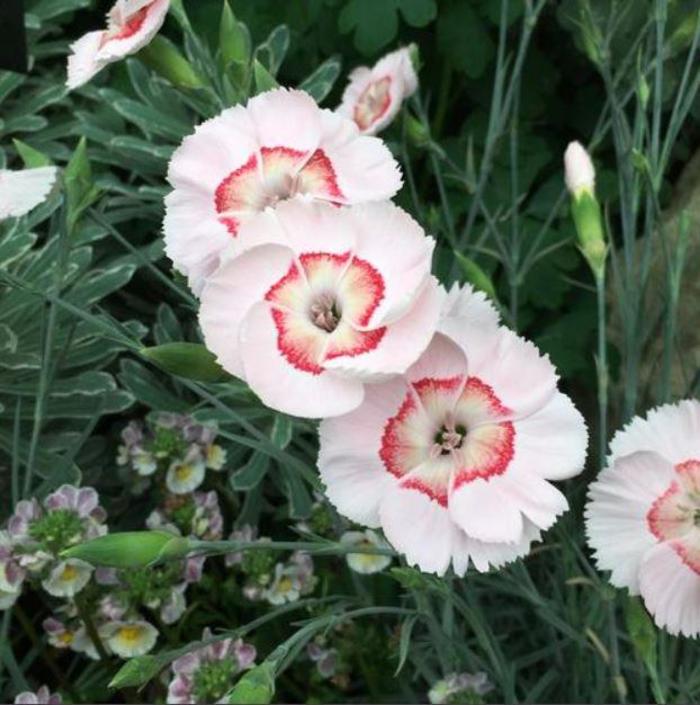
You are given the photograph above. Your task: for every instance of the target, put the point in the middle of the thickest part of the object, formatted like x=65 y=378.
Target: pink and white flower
x=280 y=145
x=453 y=459
x=131 y=25
x=643 y=514
x=374 y=96
x=22 y=191
x=333 y=299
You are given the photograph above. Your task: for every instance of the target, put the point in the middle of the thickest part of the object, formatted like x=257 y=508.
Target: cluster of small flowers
x=173 y=445
x=208 y=673
x=456 y=688
x=30 y=548
x=43 y=696
x=267 y=579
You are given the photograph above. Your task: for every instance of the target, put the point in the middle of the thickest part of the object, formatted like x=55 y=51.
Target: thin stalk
x=90 y=628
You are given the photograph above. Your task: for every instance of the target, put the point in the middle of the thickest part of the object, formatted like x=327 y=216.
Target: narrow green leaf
x=252 y=473
x=476 y=276
x=189 y=360
x=405 y=641
x=264 y=81
x=136 y=671
x=31 y=157
x=320 y=83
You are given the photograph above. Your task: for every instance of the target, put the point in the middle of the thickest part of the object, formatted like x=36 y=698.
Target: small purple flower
x=246 y=534
x=207 y=522
x=41 y=697
x=193 y=569
x=326 y=660
x=26 y=512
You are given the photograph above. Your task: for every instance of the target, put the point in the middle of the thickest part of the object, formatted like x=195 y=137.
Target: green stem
x=90 y=628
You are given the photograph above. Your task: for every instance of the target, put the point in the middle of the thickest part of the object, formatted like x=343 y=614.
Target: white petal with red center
x=670 y=588
x=373 y=97
x=520 y=377
x=442 y=359
x=21 y=191
x=617 y=511
x=408 y=435
x=141 y=22
x=485 y=510
x=286 y=118
x=230 y=294
x=282 y=385
x=363 y=167
x=672 y=430
x=401 y=343
x=418 y=527
x=349 y=456
x=397 y=246
x=551 y=442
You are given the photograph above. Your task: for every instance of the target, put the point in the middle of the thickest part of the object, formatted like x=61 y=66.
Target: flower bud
x=164 y=58
x=130 y=549
x=585 y=209
x=579 y=172
x=256 y=687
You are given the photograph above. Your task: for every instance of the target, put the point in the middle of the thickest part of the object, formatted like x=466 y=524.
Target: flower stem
x=87 y=620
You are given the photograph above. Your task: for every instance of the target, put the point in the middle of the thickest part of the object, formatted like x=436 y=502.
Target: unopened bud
x=579 y=175
x=130 y=549
x=579 y=172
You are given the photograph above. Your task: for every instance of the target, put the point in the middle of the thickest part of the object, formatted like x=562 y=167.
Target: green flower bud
x=588 y=220
x=256 y=687
x=130 y=549
x=164 y=58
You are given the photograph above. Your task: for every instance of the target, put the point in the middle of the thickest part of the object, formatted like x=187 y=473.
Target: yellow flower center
x=66 y=638
x=69 y=573
x=285 y=584
x=183 y=472
x=130 y=634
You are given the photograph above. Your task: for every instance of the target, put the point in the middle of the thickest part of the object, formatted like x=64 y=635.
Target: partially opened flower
x=336 y=298
x=280 y=145
x=453 y=458
x=642 y=514
x=207 y=674
x=374 y=96
x=131 y=25
x=129 y=639
x=365 y=563
x=460 y=688
x=22 y=191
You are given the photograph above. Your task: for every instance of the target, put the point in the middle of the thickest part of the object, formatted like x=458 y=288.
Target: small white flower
x=579 y=172
x=216 y=457
x=144 y=462
x=43 y=696
x=365 y=563
x=67 y=578
x=185 y=475
x=286 y=587
x=128 y=639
